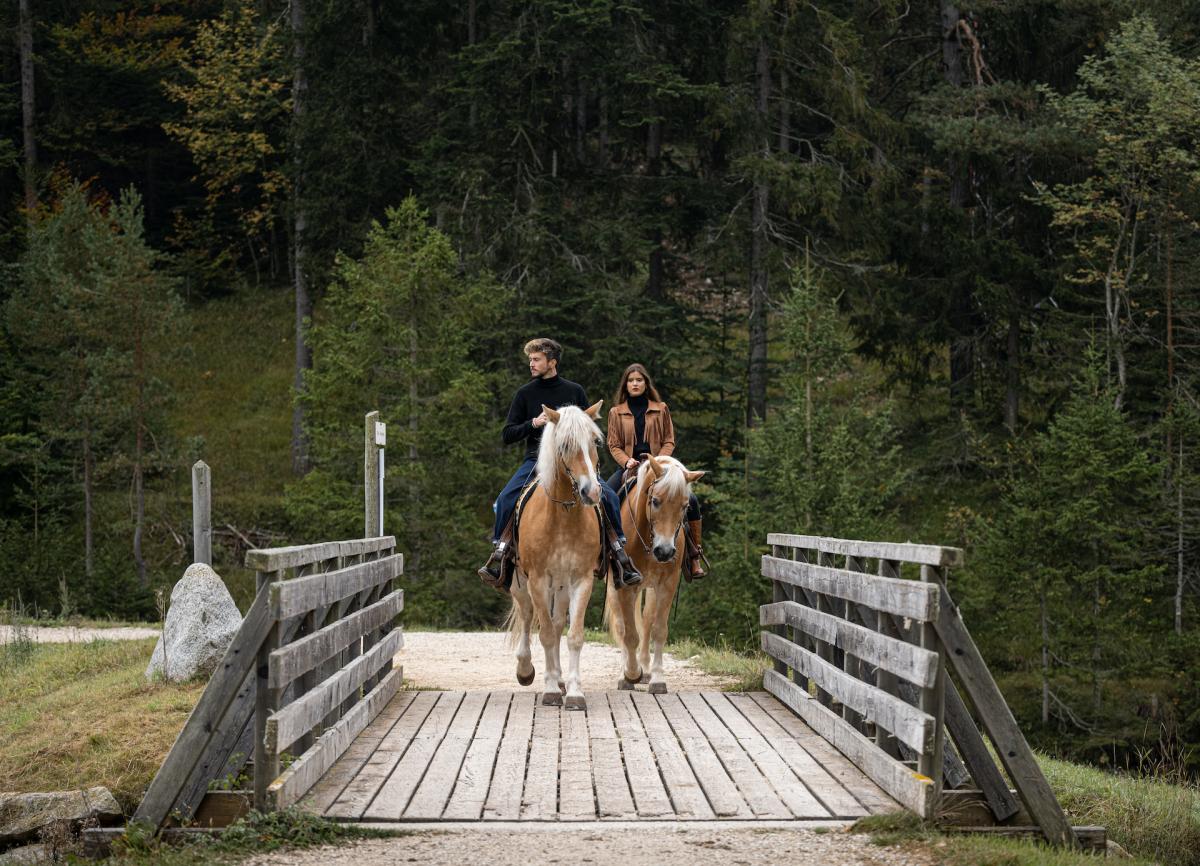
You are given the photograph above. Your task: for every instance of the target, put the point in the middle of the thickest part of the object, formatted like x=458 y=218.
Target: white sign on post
x=381 y=434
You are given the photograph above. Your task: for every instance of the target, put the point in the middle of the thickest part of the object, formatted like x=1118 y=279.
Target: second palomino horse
x=558 y=549
x=637 y=615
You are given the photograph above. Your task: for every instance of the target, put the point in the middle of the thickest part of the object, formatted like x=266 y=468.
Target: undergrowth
x=257 y=833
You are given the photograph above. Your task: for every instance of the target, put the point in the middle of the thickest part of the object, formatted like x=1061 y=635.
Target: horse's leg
x=581 y=593
x=649 y=611
x=523 y=611
x=623 y=609
x=657 y=628
x=548 y=633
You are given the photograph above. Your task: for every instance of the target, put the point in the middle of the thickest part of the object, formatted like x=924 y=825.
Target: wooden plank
x=756 y=790
x=201 y=513
x=929 y=761
x=361 y=790
x=686 y=793
x=288 y=724
x=908 y=788
x=294 y=597
x=898 y=657
x=433 y=793
x=474 y=779
x=539 y=799
x=649 y=794
x=194 y=738
x=909 y=724
x=998 y=720
x=393 y=796
x=300 y=656
x=907 y=598
x=576 y=798
x=720 y=789
x=924 y=554
x=870 y=795
x=839 y=802
x=229 y=748
x=976 y=756
x=792 y=792
x=330 y=786
x=279 y=558
x=508 y=778
x=614 y=799
x=307 y=770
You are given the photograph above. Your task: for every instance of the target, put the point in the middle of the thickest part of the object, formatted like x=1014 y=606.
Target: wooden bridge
x=873 y=667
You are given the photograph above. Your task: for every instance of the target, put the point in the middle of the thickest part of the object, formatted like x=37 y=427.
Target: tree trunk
x=88 y=543
x=1180 y=581
x=756 y=406
x=1045 y=656
x=139 y=448
x=299 y=226
x=654 y=280
x=962 y=331
x=472 y=37
x=1012 y=367
x=25 y=40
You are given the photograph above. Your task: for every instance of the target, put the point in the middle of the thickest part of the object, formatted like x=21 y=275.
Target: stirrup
x=497 y=579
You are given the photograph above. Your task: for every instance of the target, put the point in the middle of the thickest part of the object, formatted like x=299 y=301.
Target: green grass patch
x=1148 y=817
x=744 y=671
x=255 y=834
x=83 y=714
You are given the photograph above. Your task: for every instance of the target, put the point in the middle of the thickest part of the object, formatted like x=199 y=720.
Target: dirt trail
x=563 y=844
x=72 y=634
x=482 y=660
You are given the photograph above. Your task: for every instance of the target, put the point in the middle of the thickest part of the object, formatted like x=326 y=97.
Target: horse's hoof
x=551 y=699
x=658 y=688
x=576 y=702
x=526 y=680
x=645 y=678
x=624 y=685
x=562 y=688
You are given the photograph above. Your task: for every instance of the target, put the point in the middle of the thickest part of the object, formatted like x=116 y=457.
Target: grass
x=82 y=714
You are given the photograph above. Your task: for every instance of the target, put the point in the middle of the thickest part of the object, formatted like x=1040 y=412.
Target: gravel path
x=482 y=660
x=71 y=634
x=562 y=844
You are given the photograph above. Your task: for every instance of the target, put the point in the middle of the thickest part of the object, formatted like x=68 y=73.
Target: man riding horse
x=525 y=421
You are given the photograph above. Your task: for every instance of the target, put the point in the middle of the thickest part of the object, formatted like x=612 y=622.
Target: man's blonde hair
x=550 y=348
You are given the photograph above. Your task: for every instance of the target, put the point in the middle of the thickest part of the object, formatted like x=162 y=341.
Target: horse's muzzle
x=589 y=492
x=664 y=553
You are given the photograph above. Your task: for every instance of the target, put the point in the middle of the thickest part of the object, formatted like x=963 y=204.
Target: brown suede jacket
x=660 y=432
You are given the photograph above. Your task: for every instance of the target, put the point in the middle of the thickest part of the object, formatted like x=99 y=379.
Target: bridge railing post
x=933 y=699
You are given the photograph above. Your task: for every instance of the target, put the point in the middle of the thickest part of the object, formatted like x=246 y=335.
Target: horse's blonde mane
x=673 y=482
x=574 y=431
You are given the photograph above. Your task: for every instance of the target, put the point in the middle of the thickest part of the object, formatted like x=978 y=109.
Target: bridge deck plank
x=502 y=756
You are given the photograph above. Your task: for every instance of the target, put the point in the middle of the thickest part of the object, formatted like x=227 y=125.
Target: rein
x=567 y=504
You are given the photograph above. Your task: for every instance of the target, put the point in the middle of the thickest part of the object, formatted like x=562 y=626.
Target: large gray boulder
x=201 y=622
x=23 y=815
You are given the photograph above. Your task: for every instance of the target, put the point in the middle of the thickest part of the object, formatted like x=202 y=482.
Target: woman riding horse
x=639 y=423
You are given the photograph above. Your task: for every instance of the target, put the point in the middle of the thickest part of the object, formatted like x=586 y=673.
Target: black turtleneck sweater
x=638 y=406
x=527 y=404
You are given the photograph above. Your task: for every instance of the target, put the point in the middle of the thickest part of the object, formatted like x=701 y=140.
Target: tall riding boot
x=493 y=571
x=625 y=573
x=696 y=558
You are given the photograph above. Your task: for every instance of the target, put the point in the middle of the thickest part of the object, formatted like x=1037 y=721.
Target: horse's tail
x=512 y=624
x=610 y=621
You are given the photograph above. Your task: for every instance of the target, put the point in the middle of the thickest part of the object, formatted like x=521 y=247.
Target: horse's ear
x=594 y=410
x=693 y=476
x=655 y=466
x=552 y=414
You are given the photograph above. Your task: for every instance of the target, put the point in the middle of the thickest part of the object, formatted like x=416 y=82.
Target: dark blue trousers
x=506 y=502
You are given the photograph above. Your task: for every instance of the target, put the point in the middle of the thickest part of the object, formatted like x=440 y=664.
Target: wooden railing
x=308 y=669
x=864 y=636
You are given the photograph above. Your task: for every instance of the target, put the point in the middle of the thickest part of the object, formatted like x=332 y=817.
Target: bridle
x=637 y=524
x=567 y=504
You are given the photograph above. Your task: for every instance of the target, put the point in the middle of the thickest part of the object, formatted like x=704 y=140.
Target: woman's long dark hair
x=622 y=394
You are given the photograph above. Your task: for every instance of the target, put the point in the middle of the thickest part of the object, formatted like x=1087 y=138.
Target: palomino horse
x=557 y=551
x=655 y=510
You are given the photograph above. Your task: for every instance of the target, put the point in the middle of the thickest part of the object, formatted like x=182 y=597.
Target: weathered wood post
x=375 y=441
x=201 y=513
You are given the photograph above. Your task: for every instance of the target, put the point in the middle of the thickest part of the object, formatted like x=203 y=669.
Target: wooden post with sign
x=375 y=440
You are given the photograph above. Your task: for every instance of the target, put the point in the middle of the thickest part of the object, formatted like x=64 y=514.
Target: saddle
x=509 y=563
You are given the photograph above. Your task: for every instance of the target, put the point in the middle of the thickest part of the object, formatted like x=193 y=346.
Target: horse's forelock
x=574 y=431
x=674 y=478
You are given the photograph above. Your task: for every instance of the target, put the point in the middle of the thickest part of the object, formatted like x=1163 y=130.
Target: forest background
x=903 y=271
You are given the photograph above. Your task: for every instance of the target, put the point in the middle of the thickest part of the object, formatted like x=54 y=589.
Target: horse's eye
x=655 y=502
